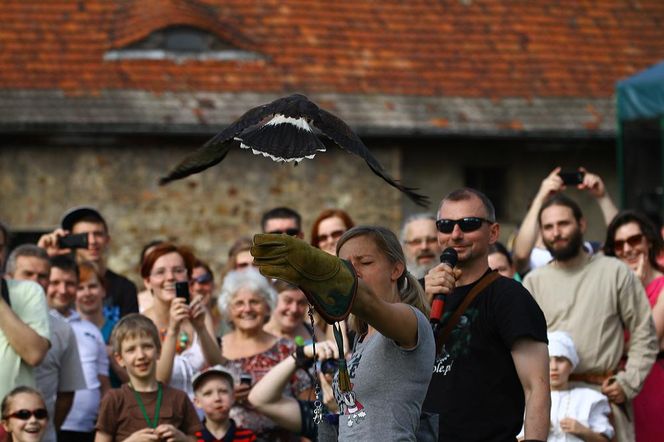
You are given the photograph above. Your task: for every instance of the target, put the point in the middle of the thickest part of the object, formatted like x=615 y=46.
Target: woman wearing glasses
x=24 y=415
x=246 y=300
x=328 y=227
x=633 y=239
x=187 y=344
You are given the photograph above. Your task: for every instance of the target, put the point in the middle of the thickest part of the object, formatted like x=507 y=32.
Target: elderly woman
x=246 y=300
x=188 y=345
x=633 y=239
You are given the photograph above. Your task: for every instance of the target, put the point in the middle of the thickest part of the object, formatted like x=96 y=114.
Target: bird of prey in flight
x=286 y=130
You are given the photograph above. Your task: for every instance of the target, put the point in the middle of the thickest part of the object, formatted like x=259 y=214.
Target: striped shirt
x=234 y=434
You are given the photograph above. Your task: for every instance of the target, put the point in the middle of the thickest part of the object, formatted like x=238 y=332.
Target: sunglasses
x=468 y=224
x=289 y=232
x=633 y=241
x=334 y=235
x=203 y=279
x=24 y=415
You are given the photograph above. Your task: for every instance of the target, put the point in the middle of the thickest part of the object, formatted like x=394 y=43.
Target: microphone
x=449 y=257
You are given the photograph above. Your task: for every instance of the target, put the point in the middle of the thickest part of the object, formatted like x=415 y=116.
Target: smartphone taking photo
x=571 y=178
x=75 y=241
x=182 y=290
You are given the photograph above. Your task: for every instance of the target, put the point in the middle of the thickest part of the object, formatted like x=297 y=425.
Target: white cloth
x=94 y=361
x=29 y=304
x=61 y=369
x=185 y=366
x=587 y=406
x=562 y=345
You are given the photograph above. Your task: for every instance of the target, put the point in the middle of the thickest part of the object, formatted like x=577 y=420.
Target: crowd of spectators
x=203 y=354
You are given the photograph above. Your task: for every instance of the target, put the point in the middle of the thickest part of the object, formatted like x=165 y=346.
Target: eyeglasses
x=633 y=241
x=176 y=271
x=468 y=224
x=427 y=240
x=289 y=232
x=203 y=279
x=24 y=415
x=333 y=235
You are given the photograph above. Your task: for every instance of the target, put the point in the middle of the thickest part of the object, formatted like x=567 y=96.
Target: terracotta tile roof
x=479 y=50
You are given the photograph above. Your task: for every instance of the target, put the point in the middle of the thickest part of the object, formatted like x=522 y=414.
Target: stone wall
x=41 y=178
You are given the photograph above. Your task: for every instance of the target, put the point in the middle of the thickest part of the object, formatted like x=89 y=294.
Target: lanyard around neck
x=156 y=409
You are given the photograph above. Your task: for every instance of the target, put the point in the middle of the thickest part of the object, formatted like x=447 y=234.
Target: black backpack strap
x=5 y=292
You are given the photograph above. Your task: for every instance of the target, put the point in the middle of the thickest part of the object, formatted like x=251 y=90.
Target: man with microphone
x=492 y=364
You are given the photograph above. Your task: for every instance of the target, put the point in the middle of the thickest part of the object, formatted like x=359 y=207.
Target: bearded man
x=419 y=239
x=594 y=298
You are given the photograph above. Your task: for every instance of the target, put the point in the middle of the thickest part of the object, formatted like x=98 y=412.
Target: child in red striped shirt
x=214 y=394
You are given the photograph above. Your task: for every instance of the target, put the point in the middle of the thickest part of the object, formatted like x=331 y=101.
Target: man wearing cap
x=214 y=395
x=121 y=296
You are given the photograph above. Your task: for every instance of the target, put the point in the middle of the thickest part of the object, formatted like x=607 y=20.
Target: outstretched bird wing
x=217 y=148
x=335 y=129
x=280 y=130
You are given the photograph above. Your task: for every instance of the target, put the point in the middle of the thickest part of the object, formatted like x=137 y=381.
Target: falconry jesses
x=285 y=130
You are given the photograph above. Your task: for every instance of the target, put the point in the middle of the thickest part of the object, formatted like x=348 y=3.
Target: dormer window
x=181 y=43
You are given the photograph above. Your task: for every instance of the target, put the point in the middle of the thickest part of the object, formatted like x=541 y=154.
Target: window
x=492 y=182
x=181 y=43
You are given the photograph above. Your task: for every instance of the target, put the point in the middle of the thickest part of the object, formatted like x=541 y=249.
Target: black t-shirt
x=120 y=295
x=475 y=388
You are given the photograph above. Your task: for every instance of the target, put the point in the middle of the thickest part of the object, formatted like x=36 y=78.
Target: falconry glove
x=329 y=283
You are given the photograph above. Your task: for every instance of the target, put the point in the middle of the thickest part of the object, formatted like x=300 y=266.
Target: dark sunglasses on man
x=24 y=415
x=289 y=232
x=468 y=224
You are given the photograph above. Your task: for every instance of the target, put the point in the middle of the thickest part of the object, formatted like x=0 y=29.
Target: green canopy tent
x=640 y=118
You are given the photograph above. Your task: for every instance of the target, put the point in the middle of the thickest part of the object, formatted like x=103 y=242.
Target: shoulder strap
x=5 y=292
x=483 y=283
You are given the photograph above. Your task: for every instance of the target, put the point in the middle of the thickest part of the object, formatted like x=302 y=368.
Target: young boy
x=143 y=409
x=214 y=394
x=577 y=414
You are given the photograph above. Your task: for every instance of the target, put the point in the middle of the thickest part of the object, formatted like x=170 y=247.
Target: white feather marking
x=276 y=158
x=300 y=123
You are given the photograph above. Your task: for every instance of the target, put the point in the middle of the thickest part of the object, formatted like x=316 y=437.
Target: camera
x=328 y=366
x=571 y=178
x=182 y=290
x=75 y=241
